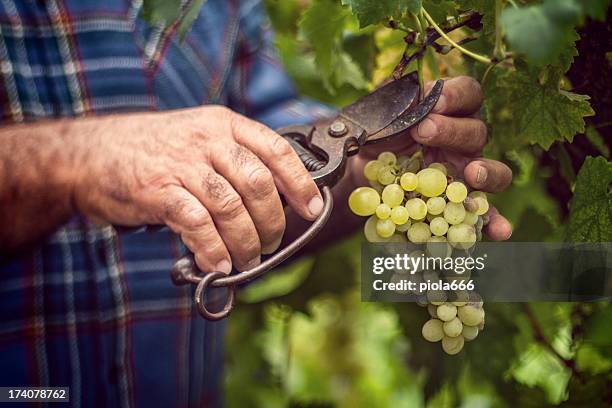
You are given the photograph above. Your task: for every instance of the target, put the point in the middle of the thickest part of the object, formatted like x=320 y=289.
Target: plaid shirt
x=92 y=308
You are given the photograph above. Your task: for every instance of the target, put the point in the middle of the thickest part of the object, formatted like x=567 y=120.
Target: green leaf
x=376 y=11
x=596 y=8
x=527 y=108
x=591 y=207
x=598 y=141
x=486 y=8
x=322 y=26
x=542 y=32
x=169 y=11
x=278 y=283
x=349 y=72
x=161 y=11
x=190 y=16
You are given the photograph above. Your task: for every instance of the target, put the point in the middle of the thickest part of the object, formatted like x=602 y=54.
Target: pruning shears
x=324 y=149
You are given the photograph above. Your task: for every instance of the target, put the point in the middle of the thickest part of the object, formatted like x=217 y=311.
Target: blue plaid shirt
x=92 y=308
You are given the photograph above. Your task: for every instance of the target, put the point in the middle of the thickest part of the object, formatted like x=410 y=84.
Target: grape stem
x=471 y=19
x=477 y=57
x=540 y=337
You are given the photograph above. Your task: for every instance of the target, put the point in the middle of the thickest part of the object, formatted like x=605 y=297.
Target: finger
x=488 y=175
x=464 y=135
x=186 y=216
x=255 y=184
x=498 y=228
x=290 y=175
x=460 y=96
x=228 y=213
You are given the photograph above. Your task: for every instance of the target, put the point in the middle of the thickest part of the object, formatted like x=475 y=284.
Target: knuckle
x=445 y=129
x=281 y=147
x=474 y=85
x=194 y=218
x=230 y=206
x=260 y=183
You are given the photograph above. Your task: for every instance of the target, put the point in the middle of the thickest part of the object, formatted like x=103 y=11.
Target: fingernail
x=268 y=249
x=252 y=263
x=224 y=266
x=315 y=206
x=427 y=129
x=440 y=105
x=481 y=175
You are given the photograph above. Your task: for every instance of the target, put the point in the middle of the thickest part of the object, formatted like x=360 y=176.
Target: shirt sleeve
x=259 y=87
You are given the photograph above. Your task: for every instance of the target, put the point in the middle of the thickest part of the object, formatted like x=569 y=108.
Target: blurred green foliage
x=302 y=337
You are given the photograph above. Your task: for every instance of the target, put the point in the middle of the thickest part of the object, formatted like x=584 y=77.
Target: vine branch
x=471 y=20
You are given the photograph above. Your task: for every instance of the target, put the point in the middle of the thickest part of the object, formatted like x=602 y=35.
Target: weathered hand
x=454 y=133
x=210 y=174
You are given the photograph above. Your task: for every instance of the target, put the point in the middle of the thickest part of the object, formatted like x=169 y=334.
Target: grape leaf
x=591 y=207
x=551 y=23
x=169 y=11
x=161 y=11
x=190 y=16
x=486 y=8
x=322 y=25
x=374 y=11
x=596 y=8
x=525 y=111
x=349 y=72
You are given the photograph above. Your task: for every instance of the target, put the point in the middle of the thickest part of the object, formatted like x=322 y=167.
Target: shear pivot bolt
x=337 y=128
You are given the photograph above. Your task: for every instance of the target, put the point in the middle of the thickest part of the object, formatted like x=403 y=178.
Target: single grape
x=470 y=204
x=459 y=298
x=385 y=228
x=469 y=332
x=417 y=209
x=387 y=158
x=398 y=238
x=432 y=310
x=376 y=186
x=370 y=170
x=439 y=166
x=452 y=345
x=419 y=233
x=461 y=236
x=432 y=330
x=393 y=195
x=456 y=192
x=477 y=193
x=403 y=161
x=432 y=182
x=369 y=231
x=470 y=218
x=438 y=226
x=363 y=201
x=403 y=227
x=383 y=211
x=385 y=175
x=470 y=315
x=446 y=312
x=483 y=205
x=437 y=247
x=399 y=215
x=454 y=213
x=436 y=297
x=409 y=181
x=453 y=327
x=435 y=205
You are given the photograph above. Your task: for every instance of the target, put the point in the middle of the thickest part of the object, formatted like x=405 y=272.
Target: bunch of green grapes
x=430 y=206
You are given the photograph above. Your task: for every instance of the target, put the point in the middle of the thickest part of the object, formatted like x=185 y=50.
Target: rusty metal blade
x=410 y=117
x=378 y=109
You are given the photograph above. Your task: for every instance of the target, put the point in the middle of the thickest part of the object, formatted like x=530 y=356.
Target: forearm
x=37 y=168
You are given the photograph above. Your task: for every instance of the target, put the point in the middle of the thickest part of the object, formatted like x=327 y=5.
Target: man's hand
x=454 y=133
x=210 y=174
